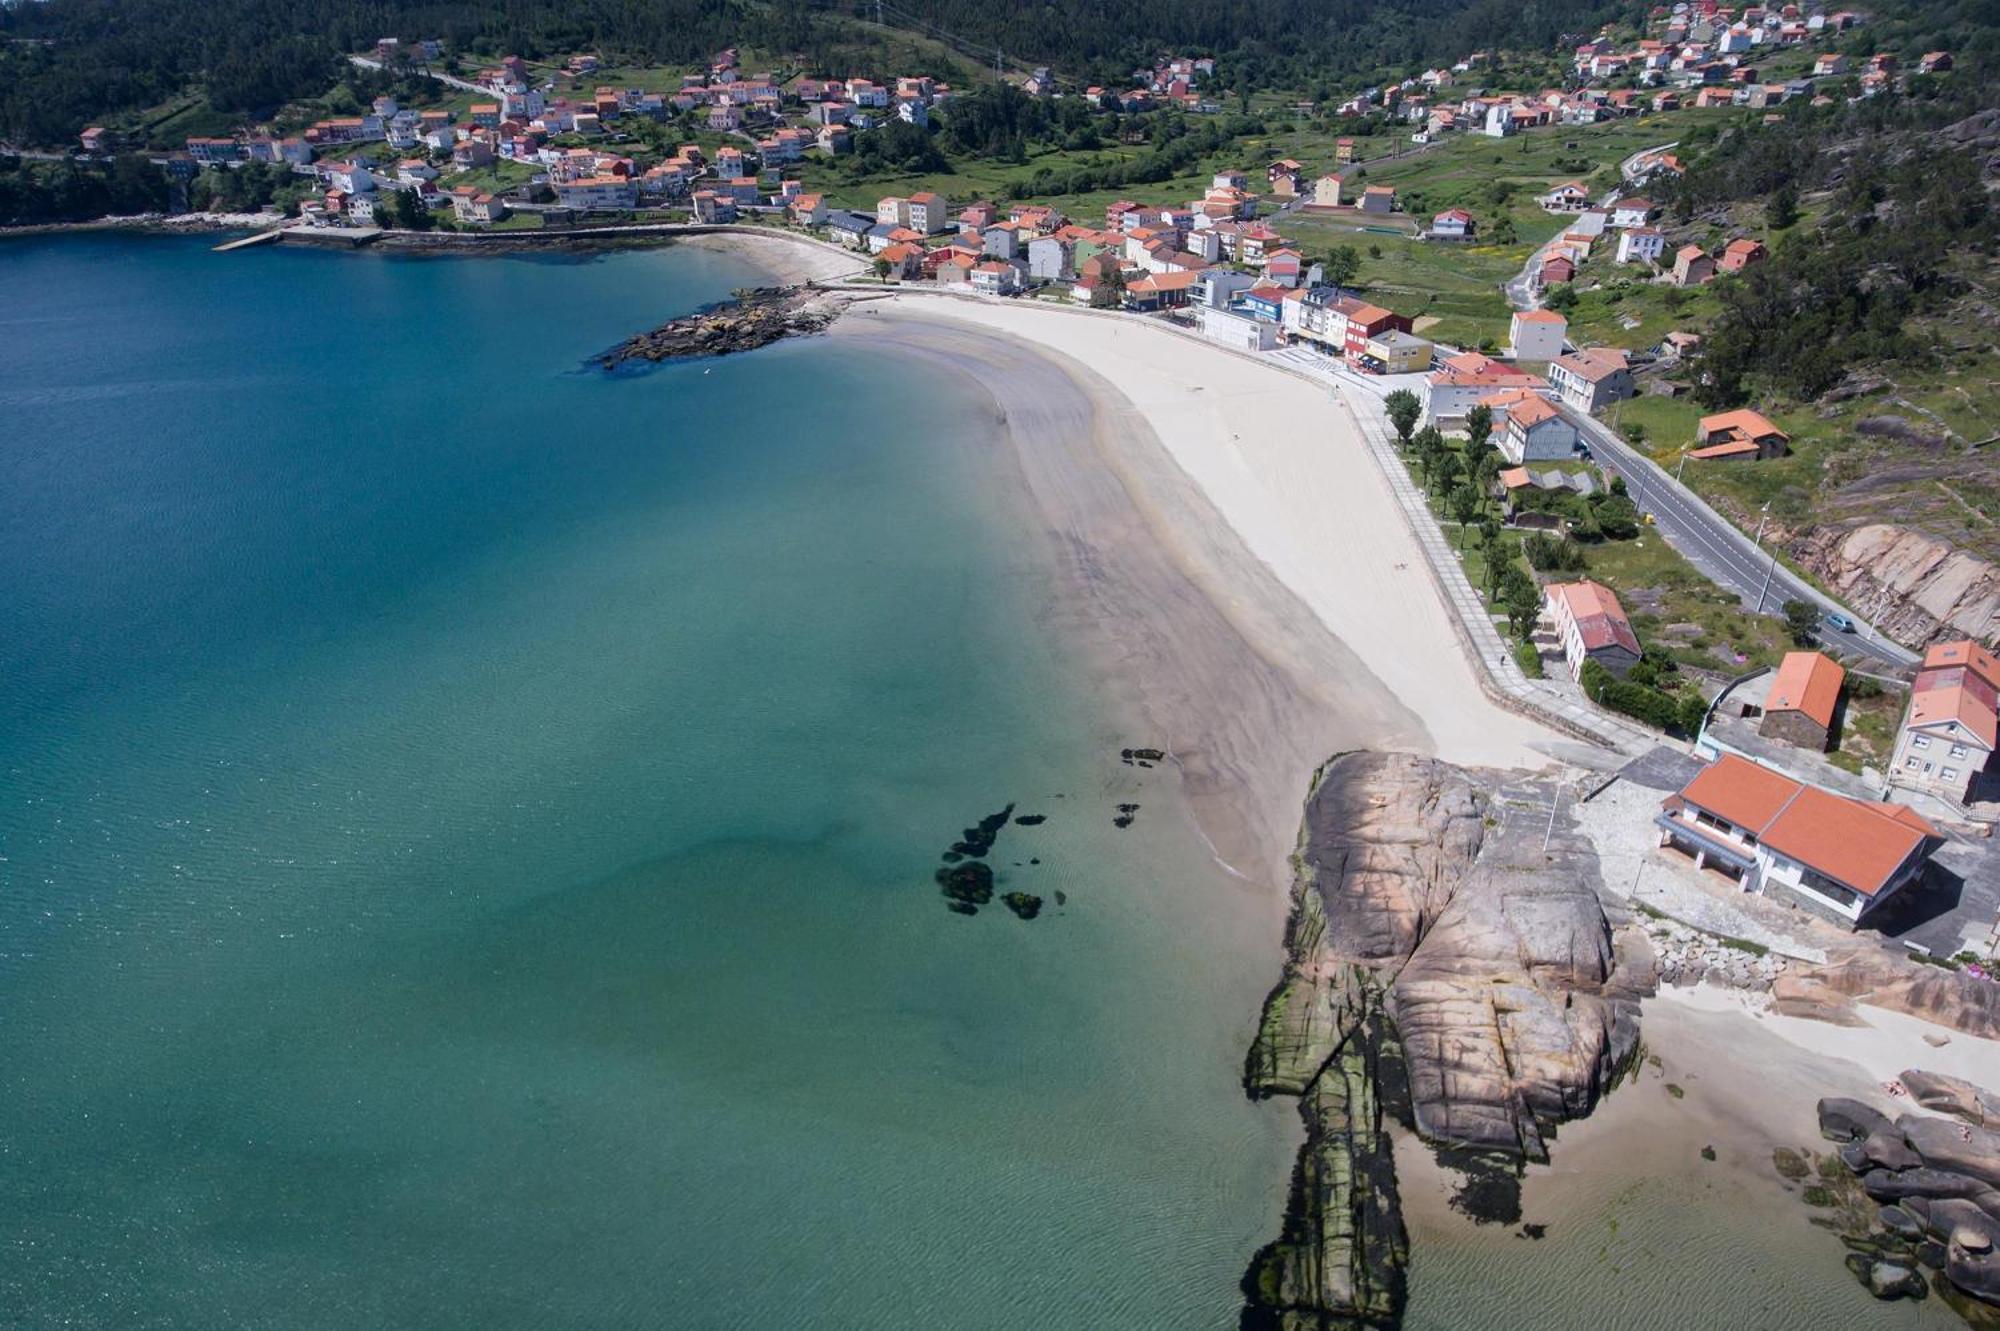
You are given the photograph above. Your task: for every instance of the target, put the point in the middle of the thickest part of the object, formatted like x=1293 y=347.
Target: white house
x=1834 y=856
x=1591 y=626
x=1452 y=224
x=1238 y=330
x=1592 y=379
x=1641 y=244
x=1632 y=212
x=1534 y=431
x=1537 y=334
x=1949 y=735
x=1048 y=258
x=994 y=278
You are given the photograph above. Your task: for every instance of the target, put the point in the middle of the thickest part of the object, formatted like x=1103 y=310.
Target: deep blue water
x=468 y=824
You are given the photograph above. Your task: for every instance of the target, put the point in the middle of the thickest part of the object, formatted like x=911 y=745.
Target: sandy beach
x=1643 y=1228
x=1229 y=555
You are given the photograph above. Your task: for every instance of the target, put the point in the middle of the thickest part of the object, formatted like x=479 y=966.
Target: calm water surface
x=467 y=830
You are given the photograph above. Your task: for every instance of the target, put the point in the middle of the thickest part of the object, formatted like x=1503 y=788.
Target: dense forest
x=67 y=63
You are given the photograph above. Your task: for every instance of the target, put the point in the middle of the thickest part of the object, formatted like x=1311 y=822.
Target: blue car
x=1840 y=623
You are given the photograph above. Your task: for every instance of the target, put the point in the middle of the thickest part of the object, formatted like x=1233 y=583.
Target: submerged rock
x=966 y=886
x=976 y=841
x=1024 y=904
x=1031 y=820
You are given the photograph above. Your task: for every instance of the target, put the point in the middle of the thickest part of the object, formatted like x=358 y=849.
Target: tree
x=1403 y=409
x=1522 y=601
x=882 y=269
x=407 y=211
x=1783 y=207
x=1802 y=622
x=1343 y=265
x=1693 y=711
x=1478 y=428
x=1465 y=506
x=1562 y=296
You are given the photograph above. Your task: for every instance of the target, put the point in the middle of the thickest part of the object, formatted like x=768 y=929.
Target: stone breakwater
x=1689 y=957
x=1435 y=950
x=1930 y=1193
x=753 y=318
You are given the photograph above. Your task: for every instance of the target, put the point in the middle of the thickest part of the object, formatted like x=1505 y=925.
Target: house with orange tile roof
x=994 y=278
x=1952 y=727
x=1593 y=378
x=1591 y=626
x=1804 y=694
x=1464 y=380
x=1534 y=430
x=1537 y=334
x=1838 y=857
x=1740 y=254
x=1734 y=436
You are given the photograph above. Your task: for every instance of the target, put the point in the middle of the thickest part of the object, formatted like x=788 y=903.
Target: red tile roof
x=1806 y=682
x=1851 y=841
x=1600 y=620
x=1959 y=681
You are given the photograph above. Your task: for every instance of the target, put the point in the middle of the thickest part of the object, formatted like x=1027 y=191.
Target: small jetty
x=267 y=237
x=342 y=237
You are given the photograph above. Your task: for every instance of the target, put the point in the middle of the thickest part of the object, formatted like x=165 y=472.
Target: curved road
x=1704 y=537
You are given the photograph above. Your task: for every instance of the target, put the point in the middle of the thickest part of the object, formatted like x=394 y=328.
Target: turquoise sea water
x=468 y=824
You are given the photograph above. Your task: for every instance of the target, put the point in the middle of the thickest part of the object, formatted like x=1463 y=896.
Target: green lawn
x=1674 y=607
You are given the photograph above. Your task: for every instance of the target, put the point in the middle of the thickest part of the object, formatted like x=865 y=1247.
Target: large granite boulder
x=1421 y=901
x=1956 y=1096
x=1957 y=1148
x=1845 y=1120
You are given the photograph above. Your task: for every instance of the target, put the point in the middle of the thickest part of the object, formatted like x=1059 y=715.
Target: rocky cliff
x=1430 y=933
x=1914 y=588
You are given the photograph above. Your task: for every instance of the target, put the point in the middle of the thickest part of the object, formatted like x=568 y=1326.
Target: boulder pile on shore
x=753 y=318
x=1441 y=959
x=1936 y=1182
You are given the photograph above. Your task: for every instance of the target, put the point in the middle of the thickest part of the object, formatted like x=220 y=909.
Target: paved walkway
x=1501 y=674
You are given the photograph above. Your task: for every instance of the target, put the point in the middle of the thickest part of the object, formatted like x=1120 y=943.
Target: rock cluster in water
x=966 y=880
x=1935 y=1182
x=1435 y=950
x=754 y=318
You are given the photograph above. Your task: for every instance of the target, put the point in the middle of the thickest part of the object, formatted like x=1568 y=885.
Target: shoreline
x=1281 y=468
x=1204 y=651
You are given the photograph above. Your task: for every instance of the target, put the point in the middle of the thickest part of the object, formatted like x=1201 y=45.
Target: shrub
x=1528 y=659
x=1552 y=554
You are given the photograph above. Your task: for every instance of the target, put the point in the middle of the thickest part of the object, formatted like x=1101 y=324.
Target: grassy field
x=1494 y=178
x=1451 y=292
x=501 y=175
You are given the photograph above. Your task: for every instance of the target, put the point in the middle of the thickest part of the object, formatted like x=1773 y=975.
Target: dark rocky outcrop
x=1431 y=934
x=755 y=318
x=1941 y=1180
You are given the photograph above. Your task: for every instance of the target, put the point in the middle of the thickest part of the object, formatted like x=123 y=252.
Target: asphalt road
x=1707 y=540
x=1724 y=554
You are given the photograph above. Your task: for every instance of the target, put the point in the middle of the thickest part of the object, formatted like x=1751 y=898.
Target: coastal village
x=1505 y=437
x=1778 y=797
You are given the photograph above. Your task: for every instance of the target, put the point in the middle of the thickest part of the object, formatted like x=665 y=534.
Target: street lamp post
x=1770 y=568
